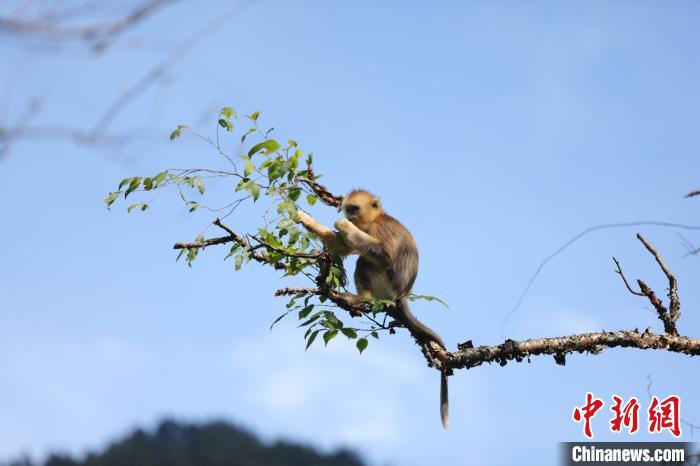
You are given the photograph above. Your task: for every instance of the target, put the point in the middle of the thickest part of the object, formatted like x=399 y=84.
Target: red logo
x=665 y=415
x=587 y=412
x=662 y=414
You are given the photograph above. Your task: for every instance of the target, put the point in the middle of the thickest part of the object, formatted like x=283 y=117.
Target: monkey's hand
x=360 y=241
x=328 y=237
x=306 y=220
x=344 y=226
x=353 y=235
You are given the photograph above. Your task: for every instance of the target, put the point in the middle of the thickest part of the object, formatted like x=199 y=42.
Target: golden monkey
x=387 y=266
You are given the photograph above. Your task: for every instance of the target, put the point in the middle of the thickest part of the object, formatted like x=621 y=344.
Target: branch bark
x=593 y=343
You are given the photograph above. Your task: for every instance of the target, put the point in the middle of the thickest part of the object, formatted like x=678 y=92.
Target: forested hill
x=209 y=444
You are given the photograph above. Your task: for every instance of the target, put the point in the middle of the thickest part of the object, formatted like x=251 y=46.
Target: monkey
x=387 y=266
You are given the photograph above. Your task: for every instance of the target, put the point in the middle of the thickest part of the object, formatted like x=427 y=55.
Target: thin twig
x=315 y=255
x=624 y=279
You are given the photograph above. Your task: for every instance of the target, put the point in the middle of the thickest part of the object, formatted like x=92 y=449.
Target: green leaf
x=251 y=130
x=294 y=193
x=275 y=169
x=306 y=311
x=254 y=116
x=329 y=335
x=311 y=339
x=312 y=319
x=133 y=185
x=254 y=190
x=199 y=182
x=159 y=178
x=362 y=344
x=148 y=184
x=177 y=132
x=139 y=205
x=285 y=223
x=278 y=319
x=415 y=297
x=233 y=250
x=250 y=186
x=269 y=145
x=195 y=206
x=249 y=167
x=348 y=332
x=228 y=112
x=125 y=182
x=226 y=124
x=311 y=199
x=109 y=200
x=375 y=335
x=292 y=143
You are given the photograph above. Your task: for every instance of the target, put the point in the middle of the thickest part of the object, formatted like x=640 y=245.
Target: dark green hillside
x=209 y=444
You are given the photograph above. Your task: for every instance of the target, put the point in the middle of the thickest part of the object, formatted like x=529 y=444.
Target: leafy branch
x=276 y=177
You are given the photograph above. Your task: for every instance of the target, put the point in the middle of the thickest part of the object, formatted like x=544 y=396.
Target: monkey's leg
x=330 y=238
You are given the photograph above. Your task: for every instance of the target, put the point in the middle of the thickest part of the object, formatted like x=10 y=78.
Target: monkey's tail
x=415 y=326
x=444 y=404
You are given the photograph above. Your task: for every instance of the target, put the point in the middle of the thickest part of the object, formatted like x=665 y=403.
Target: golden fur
x=388 y=262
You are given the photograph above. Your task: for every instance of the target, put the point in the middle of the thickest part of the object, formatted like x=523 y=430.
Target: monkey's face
x=361 y=207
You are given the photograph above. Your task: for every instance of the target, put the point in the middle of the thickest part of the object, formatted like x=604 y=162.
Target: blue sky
x=494 y=131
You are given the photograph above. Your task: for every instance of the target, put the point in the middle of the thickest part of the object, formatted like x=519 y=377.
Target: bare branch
x=691 y=249
x=624 y=279
x=573 y=240
x=155 y=73
x=594 y=343
x=669 y=325
x=51 y=29
x=674 y=311
x=693 y=193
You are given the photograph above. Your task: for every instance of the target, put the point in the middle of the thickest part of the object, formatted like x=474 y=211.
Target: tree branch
x=232 y=237
x=320 y=190
x=52 y=30
x=468 y=357
x=674 y=311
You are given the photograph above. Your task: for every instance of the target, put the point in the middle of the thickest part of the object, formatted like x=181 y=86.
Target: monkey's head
x=361 y=207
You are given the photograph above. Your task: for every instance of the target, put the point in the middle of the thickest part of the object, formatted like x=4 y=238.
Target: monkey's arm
x=331 y=239
x=366 y=245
